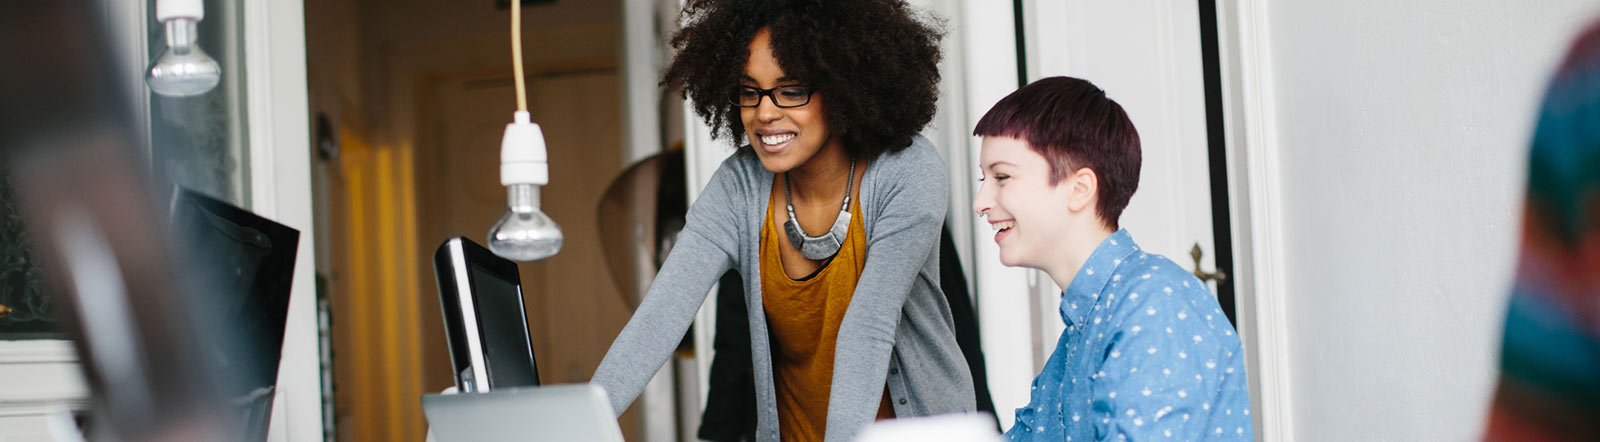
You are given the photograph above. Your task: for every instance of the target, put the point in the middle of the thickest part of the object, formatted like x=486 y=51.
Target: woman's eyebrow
x=784 y=79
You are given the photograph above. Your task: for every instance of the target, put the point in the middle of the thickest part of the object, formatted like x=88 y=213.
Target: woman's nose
x=981 y=203
x=767 y=110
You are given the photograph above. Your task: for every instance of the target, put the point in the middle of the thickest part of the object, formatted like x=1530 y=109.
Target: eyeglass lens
x=784 y=96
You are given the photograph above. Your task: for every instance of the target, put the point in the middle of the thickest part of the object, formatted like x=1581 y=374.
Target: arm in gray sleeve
x=905 y=232
x=703 y=252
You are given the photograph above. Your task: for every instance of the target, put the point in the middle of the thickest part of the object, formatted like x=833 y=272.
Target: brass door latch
x=4 y=311
x=1219 y=276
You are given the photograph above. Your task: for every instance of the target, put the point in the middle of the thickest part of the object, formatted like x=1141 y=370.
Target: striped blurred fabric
x=1549 y=385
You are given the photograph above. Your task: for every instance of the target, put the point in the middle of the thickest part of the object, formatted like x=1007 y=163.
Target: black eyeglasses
x=782 y=96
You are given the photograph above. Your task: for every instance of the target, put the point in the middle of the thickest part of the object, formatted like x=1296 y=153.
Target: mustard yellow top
x=804 y=317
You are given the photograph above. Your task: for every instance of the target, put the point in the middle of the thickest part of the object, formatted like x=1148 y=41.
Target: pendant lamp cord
x=516 y=53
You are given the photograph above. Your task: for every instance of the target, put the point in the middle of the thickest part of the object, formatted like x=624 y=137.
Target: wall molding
x=41 y=408
x=37 y=351
x=39 y=377
x=1254 y=183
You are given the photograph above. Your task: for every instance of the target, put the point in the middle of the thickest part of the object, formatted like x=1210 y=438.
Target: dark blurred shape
x=101 y=238
x=327 y=137
x=1549 y=387
x=730 y=414
x=953 y=281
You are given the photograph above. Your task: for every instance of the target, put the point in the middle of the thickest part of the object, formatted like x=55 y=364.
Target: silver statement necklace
x=819 y=247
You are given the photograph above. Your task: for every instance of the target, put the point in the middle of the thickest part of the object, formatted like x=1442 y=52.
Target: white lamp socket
x=522 y=153
x=171 y=9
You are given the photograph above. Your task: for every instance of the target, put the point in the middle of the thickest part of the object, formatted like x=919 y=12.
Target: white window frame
x=280 y=188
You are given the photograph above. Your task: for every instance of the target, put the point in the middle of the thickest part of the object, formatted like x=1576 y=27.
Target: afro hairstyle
x=876 y=61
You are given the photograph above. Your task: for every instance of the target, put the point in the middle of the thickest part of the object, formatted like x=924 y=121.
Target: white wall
x=1402 y=135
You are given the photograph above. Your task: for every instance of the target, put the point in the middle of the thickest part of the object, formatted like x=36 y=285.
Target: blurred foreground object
x=101 y=237
x=1549 y=388
x=945 y=428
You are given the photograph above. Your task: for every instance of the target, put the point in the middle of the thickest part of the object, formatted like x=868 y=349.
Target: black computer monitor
x=485 y=321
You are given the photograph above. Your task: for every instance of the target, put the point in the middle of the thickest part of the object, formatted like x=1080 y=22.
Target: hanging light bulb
x=524 y=233
x=183 y=70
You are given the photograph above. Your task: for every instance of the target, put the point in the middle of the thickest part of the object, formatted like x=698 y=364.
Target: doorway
x=416 y=95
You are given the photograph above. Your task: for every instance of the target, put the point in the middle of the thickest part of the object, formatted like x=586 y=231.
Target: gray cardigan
x=897 y=331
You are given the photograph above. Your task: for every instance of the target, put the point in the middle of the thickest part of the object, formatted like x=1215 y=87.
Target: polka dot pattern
x=1115 y=375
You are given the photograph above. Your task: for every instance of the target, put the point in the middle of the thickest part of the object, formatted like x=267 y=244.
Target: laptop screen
x=504 y=330
x=245 y=263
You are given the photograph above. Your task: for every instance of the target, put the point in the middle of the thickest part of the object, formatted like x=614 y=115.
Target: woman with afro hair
x=830 y=208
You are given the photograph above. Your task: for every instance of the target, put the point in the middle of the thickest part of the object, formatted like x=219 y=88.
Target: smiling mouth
x=1002 y=229
x=774 y=140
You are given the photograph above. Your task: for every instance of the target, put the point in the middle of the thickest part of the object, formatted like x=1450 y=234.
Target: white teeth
x=772 y=140
x=1003 y=225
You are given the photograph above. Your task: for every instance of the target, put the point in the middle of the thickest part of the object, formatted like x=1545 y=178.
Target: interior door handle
x=4 y=311
x=1219 y=276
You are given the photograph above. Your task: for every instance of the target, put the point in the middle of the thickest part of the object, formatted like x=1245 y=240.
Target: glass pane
x=200 y=142
x=25 y=310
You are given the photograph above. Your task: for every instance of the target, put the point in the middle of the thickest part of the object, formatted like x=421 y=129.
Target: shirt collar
x=1079 y=297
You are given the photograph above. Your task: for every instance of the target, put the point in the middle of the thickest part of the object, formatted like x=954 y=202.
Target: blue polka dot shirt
x=1147 y=356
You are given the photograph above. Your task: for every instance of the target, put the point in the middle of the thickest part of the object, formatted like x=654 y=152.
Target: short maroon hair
x=1072 y=124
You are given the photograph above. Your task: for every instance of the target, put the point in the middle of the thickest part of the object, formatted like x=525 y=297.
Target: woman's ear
x=1084 y=189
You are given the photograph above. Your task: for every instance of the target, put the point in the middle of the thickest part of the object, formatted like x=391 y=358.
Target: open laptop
x=558 y=413
x=244 y=264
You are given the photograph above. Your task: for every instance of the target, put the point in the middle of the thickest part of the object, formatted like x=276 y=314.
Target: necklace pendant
x=817 y=248
x=820 y=247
